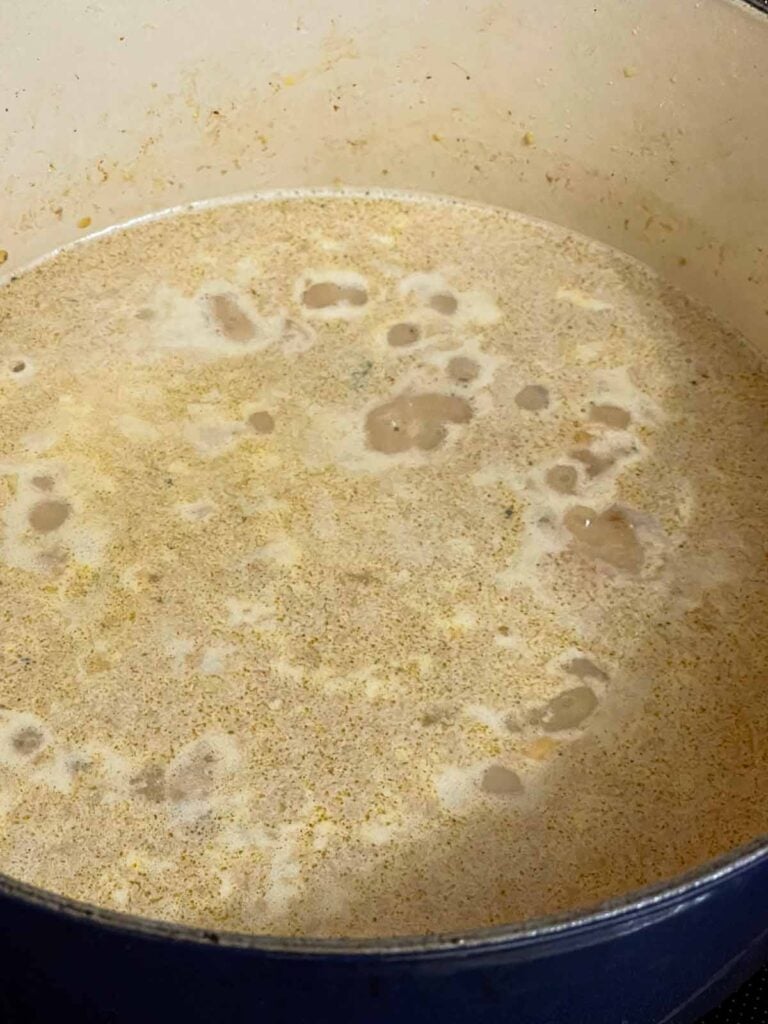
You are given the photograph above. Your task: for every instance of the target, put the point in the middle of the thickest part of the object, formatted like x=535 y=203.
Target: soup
x=373 y=564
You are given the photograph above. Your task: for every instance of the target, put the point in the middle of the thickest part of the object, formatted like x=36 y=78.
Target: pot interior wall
x=634 y=138
x=642 y=123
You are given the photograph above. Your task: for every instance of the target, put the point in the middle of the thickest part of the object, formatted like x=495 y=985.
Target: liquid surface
x=373 y=566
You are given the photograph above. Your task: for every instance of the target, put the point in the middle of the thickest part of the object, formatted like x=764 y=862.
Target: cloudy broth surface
x=373 y=564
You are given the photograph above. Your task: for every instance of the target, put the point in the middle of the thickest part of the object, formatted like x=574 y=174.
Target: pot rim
x=577 y=927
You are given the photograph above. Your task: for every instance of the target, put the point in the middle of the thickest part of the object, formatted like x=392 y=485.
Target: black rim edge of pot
x=580 y=926
x=623 y=913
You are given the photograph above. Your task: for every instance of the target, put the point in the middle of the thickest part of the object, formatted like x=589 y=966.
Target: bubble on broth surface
x=567 y=710
x=610 y=416
x=47 y=516
x=444 y=303
x=261 y=422
x=230 y=319
x=501 y=781
x=562 y=479
x=594 y=464
x=21 y=370
x=532 y=398
x=22 y=737
x=585 y=668
x=150 y=784
x=414 y=421
x=608 y=536
x=327 y=293
x=463 y=369
x=27 y=740
x=458 y=306
x=403 y=334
